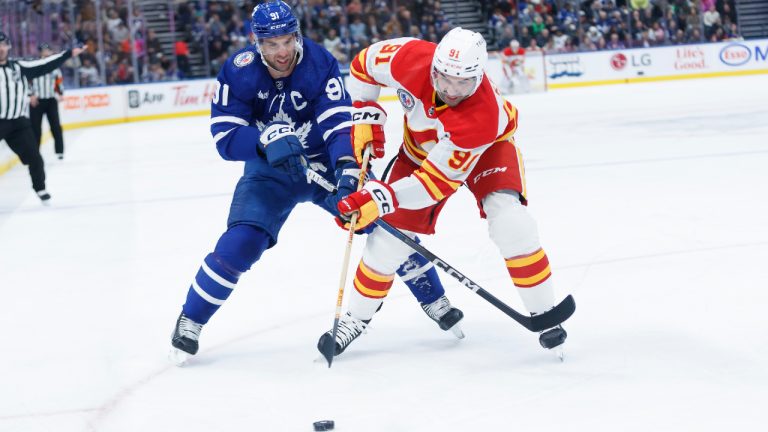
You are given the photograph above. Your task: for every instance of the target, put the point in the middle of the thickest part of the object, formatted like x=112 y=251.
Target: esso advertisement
x=742 y=54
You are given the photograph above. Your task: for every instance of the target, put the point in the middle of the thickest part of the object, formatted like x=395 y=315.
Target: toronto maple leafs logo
x=302 y=132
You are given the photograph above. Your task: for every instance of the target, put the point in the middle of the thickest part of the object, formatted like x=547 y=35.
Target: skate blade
x=558 y=351
x=457 y=331
x=178 y=357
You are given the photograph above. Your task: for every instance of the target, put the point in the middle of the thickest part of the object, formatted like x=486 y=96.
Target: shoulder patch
x=406 y=99
x=244 y=58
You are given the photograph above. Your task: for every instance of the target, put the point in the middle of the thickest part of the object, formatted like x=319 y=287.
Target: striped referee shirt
x=14 y=87
x=45 y=86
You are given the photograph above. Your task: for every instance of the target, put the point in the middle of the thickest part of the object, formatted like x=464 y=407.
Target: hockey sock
x=371 y=288
x=236 y=251
x=421 y=278
x=531 y=275
x=212 y=285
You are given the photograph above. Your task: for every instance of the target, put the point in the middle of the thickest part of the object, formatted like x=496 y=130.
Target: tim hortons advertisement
x=174 y=97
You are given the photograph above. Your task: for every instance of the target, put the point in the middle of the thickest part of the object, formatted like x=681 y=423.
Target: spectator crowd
x=574 y=25
x=180 y=39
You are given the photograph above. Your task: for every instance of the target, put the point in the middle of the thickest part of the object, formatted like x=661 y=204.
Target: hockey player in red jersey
x=458 y=130
x=513 y=66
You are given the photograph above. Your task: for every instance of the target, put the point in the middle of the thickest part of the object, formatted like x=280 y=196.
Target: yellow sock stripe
x=374 y=275
x=525 y=260
x=369 y=292
x=533 y=280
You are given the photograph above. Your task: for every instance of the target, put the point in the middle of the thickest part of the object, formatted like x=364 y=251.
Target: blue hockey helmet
x=272 y=19
x=4 y=38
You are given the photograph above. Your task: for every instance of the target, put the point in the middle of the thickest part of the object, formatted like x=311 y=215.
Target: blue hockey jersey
x=312 y=100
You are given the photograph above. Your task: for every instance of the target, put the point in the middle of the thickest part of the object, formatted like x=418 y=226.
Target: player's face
x=279 y=52
x=452 y=90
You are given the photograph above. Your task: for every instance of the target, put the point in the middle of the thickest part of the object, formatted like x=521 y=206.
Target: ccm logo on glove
x=275 y=131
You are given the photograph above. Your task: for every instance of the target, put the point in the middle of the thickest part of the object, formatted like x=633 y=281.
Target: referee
x=44 y=102
x=15 y=127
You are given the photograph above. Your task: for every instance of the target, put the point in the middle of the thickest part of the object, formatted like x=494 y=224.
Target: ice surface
x=651 y=203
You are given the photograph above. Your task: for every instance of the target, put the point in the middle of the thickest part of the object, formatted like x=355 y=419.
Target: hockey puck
x=323 y=425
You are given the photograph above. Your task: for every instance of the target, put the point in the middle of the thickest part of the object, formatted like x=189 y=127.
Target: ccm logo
x=382 y=200
x=282 y=130
x=366 y=115
x=488 y=172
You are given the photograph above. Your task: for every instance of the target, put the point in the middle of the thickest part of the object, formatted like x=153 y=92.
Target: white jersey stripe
x=339 y=126
x=228 y=119
x=333 y=111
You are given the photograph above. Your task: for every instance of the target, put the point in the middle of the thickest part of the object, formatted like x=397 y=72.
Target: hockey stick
x=536 y=323
x=329 y=349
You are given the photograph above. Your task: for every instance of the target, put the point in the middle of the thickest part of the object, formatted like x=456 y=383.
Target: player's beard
x=281 y=70
x=451 y=102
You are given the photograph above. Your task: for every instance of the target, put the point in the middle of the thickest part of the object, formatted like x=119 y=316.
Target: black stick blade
x=327 y=343
x=554 y=316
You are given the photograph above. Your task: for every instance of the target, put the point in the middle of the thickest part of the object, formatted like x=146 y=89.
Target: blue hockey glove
x=281 y=146
x=347 y=177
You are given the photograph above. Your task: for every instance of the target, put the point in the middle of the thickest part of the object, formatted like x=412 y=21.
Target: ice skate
x=349 y=329
x=184 y=342
x=45 y=197
x=553 y=340
x=445 y=315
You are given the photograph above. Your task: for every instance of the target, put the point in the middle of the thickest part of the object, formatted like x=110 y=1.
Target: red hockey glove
x=373 y=201
x=368 y=120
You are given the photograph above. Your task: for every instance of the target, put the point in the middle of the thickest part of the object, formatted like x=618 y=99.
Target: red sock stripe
x=529 y=270
x=371 y=284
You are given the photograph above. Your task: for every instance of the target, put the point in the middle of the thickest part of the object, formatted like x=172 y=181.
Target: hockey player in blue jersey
x=281 y=107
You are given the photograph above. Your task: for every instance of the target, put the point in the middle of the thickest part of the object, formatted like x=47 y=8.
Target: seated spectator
x=615 y=43
x=559 y=40
x=533 y=47
x=89 y=75
x=525 y=37
x=181 y=50
x=711 y=20
x=373 y=30
x=332 y=43
x=732 y=32
x=593 y=34
x=357 y=31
